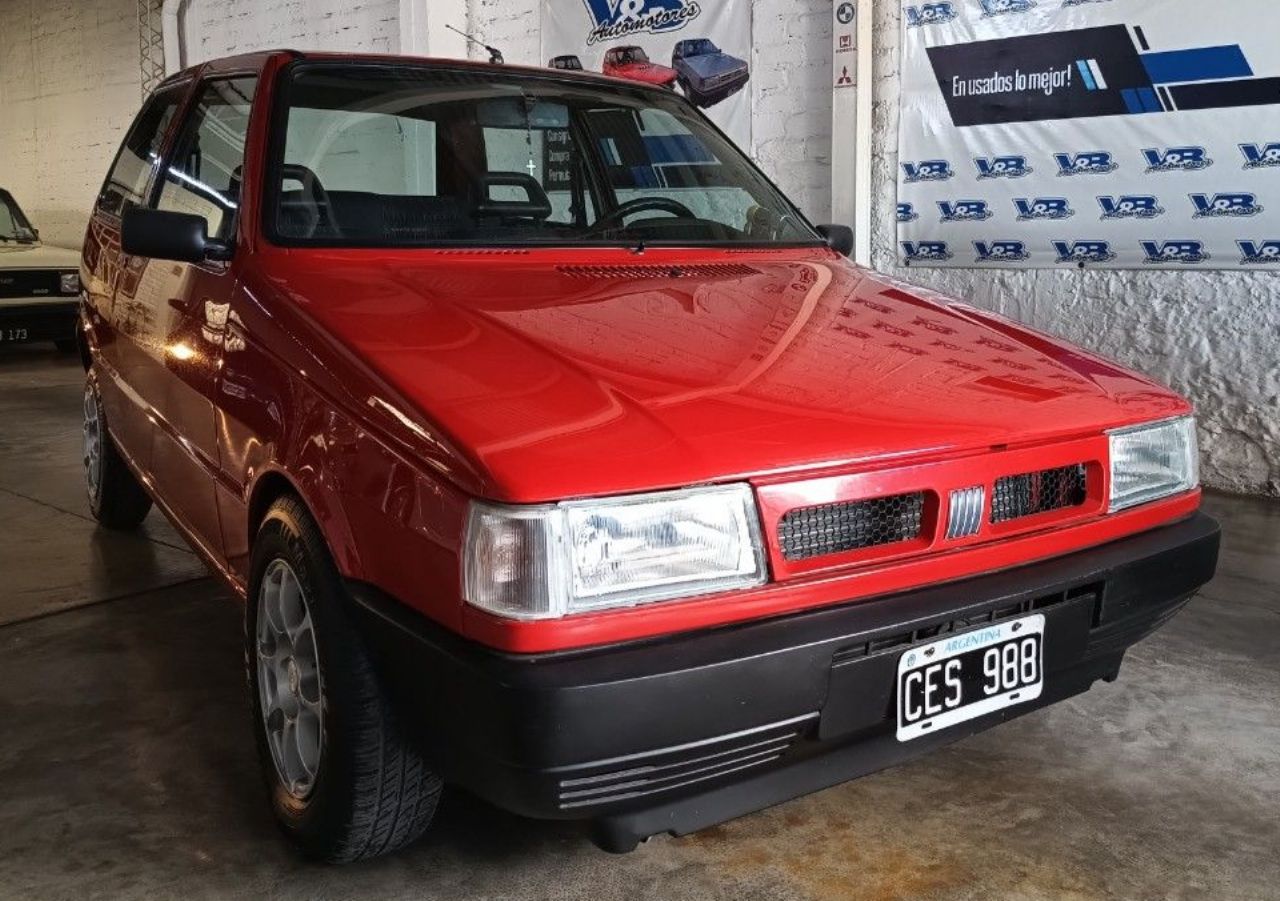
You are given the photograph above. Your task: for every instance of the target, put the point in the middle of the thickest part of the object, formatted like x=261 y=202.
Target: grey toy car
x=706 y=74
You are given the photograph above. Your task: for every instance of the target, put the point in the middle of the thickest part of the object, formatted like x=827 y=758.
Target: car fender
x=303 y=471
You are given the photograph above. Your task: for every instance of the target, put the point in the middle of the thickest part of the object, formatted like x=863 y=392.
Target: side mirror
x=839 y=238
x=166 y=235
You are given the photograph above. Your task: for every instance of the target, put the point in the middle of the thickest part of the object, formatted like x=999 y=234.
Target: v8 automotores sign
x=616 y=19
x=701 y=48
x=1051 y=133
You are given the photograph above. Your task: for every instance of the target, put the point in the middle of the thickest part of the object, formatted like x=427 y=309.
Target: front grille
x=725 y=78
x=29 y=283
x=1038 y=492
x=607 y=782
x=851 y=525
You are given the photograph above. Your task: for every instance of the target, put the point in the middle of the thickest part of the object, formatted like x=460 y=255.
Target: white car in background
x=39 y=284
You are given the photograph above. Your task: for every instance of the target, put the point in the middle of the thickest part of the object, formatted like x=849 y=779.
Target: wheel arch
x=273 y=482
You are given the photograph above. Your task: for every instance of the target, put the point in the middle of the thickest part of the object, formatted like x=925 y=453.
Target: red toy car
x=633 y=64
x=545 y=471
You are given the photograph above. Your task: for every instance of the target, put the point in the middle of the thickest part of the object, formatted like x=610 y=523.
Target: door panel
x=118 y=317
x=190 y=303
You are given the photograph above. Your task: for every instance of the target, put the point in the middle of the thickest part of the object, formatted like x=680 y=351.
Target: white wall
x=1214 y=336
x=69 y=87
x=216 y=28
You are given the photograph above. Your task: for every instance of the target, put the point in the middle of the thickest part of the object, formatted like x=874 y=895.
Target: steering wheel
x=320 y=206
x=640 y=205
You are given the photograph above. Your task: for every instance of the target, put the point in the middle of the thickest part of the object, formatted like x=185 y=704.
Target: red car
x=633 y=64
x=544 y=473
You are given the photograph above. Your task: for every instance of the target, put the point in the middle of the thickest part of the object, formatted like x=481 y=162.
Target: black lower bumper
x=20 y=322
x=678 y=734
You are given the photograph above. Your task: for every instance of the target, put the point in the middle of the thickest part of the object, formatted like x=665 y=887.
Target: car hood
x=714 y=63
x=651 y=72
x=37 y=256
x=619 y=372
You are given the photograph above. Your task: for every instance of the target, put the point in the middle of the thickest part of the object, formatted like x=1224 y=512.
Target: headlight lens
x=69 y=283
x=552 y=560
x=1153 y=461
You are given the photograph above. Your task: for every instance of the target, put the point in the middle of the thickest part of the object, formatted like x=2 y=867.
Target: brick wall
x=69 y=87
x=223 y=27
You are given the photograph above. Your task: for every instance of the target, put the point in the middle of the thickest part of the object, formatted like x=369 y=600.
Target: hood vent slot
x=701 y=270
x=482 y=252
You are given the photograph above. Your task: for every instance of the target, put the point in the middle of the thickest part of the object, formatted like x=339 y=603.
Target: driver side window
x=204 y=171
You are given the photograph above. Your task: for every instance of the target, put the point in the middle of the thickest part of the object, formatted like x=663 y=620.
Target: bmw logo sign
x=845 y=13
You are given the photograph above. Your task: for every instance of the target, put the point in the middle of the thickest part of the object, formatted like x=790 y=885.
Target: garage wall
x=790 y=85
x=1211 y=335
x=69 y=87
x=216 y=28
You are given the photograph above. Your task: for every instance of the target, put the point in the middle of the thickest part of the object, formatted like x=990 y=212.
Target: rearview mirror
x=839 y=238
x=166 y=235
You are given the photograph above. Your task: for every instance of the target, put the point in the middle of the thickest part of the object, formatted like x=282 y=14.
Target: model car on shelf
x=39 y=284
x=549 y=466
x=707 y=74
x=633 y=64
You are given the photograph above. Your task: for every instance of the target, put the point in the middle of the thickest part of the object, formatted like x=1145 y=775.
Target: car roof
x=251 y=61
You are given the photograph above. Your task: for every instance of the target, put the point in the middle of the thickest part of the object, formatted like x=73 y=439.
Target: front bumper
x=39 y=319
x=677 y=734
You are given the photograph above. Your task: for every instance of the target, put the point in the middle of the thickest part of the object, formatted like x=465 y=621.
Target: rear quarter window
x=137 y=158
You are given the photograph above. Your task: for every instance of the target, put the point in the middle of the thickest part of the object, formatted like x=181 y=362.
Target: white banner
x=699 y=47
x=1091 y=133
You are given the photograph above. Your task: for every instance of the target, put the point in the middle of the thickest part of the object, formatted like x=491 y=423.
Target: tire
x=117 y=499
x=361 y=789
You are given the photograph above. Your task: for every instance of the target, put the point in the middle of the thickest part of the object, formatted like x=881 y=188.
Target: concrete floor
x=127 y=770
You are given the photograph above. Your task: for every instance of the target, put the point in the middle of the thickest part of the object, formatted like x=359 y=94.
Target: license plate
x=964 y=676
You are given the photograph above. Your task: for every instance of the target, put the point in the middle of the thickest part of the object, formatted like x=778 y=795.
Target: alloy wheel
x=92 y=443
x=289 y=681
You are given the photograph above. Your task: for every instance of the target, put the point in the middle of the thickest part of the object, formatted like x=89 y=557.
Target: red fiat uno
x=556 y=456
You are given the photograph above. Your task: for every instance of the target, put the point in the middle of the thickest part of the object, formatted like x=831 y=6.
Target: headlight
x=69 y=283
x=551 y=560
x=1149 y=462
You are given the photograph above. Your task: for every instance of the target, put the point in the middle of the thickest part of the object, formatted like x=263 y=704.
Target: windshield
x=700 y=47
x=631 y=55
x=13 y=224
x=415 y=156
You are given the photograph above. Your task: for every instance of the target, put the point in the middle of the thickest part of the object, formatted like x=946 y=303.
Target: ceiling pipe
x=175 y=52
